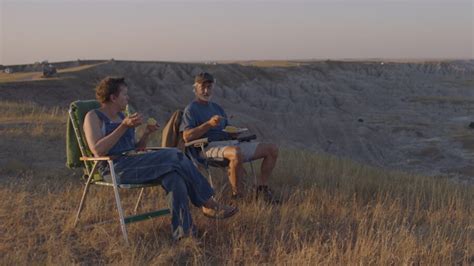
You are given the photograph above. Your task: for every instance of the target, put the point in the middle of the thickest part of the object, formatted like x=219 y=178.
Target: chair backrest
x=76 y=145
x=171 y=135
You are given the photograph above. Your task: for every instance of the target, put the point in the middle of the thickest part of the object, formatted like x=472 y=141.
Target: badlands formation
x=408 y=116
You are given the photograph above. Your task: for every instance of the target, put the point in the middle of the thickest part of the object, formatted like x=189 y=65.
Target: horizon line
x=230 y=61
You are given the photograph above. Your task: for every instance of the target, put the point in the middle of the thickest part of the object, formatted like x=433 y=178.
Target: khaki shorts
x=216 y=149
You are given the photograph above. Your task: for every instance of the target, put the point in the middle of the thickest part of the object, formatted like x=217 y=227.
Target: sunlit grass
x=272 y=63
x=13 y=77
x=29 y=112
x=335 y=212
x=38 y=76
x=79 y=68
x=22 y=119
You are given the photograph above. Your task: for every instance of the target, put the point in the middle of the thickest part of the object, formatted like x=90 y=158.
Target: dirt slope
x=412 y=116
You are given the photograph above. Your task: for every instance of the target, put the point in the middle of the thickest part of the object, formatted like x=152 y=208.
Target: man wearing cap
x=203 y=118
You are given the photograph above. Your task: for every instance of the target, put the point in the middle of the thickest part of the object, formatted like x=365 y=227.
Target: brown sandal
x=222 y=212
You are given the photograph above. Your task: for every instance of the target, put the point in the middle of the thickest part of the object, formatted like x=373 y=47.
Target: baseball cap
x=203 y=77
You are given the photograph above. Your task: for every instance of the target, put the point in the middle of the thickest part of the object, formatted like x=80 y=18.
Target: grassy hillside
x=334 y=212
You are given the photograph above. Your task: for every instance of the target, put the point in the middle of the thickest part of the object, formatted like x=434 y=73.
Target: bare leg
x=269 y=153
x=235 y=171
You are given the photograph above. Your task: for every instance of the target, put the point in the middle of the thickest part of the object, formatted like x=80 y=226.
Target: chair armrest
x=104 y=158
x=158 y=148
x=155 y=148
x=247 y=138
x=197 y=143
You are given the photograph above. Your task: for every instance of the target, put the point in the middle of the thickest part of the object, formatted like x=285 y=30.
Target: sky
x=185 y=31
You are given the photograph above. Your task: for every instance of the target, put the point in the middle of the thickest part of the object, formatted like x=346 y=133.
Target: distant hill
x=411 y=116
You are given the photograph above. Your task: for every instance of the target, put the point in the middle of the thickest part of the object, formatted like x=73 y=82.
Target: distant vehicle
x=8 y=70
x=49 y=70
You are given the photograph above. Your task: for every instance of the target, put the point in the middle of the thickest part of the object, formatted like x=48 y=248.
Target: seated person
x=109 y=132
x=205 y=119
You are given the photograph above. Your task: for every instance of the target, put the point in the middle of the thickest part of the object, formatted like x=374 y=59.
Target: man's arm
x=197 y=132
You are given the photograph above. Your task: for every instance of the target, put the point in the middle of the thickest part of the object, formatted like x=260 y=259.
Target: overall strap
x=102 y=116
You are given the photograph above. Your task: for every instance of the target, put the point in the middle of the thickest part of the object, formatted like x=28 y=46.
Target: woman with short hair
x=110 y=133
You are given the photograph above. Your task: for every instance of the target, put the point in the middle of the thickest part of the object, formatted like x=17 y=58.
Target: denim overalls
x=176 y=173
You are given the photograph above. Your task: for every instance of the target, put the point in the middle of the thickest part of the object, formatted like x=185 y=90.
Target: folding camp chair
x=79 y=155
x=172 y=136
x=207 y=162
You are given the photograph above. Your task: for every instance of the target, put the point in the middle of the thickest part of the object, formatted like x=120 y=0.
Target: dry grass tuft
x=334 y=212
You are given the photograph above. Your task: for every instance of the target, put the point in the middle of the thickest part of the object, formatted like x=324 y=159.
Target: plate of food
x=234 y=130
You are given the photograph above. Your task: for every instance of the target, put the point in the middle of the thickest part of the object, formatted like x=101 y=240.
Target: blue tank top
x=126 y=142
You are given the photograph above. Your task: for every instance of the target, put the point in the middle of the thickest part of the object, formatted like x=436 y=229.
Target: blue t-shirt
x=196 y=114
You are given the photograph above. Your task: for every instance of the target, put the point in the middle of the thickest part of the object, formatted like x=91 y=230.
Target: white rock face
x=410 y=116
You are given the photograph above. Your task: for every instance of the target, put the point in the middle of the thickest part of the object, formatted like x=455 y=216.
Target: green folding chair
x=79 y=155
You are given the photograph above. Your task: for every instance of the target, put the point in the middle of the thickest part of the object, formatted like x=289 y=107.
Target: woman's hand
x=151 y=128
x=133 y=120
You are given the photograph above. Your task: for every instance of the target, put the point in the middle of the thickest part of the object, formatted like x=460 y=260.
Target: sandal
x=222 y=212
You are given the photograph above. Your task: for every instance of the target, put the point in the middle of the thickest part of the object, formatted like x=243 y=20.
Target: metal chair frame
x=211 y=162
x=91 y=171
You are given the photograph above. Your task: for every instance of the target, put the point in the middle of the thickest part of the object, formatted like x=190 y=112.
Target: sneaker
x=267 y=195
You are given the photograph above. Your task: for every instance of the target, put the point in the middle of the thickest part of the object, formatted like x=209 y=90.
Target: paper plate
x=235 y=130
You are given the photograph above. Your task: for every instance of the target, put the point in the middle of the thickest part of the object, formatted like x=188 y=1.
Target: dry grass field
x=37 y=76
x=335 y=212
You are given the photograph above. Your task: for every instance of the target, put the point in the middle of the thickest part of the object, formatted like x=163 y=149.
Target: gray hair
x=197 y=83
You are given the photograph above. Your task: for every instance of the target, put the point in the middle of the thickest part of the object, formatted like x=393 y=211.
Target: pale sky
x=61 y=30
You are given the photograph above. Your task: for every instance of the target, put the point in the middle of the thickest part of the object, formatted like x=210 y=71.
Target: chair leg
x=210 y=176
x=253 y=173
x=225 y=175
x=81 y=204
x=119 y=204
x=222 y=187
x=254 y=179
x=138 y=200
x=207 y=166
